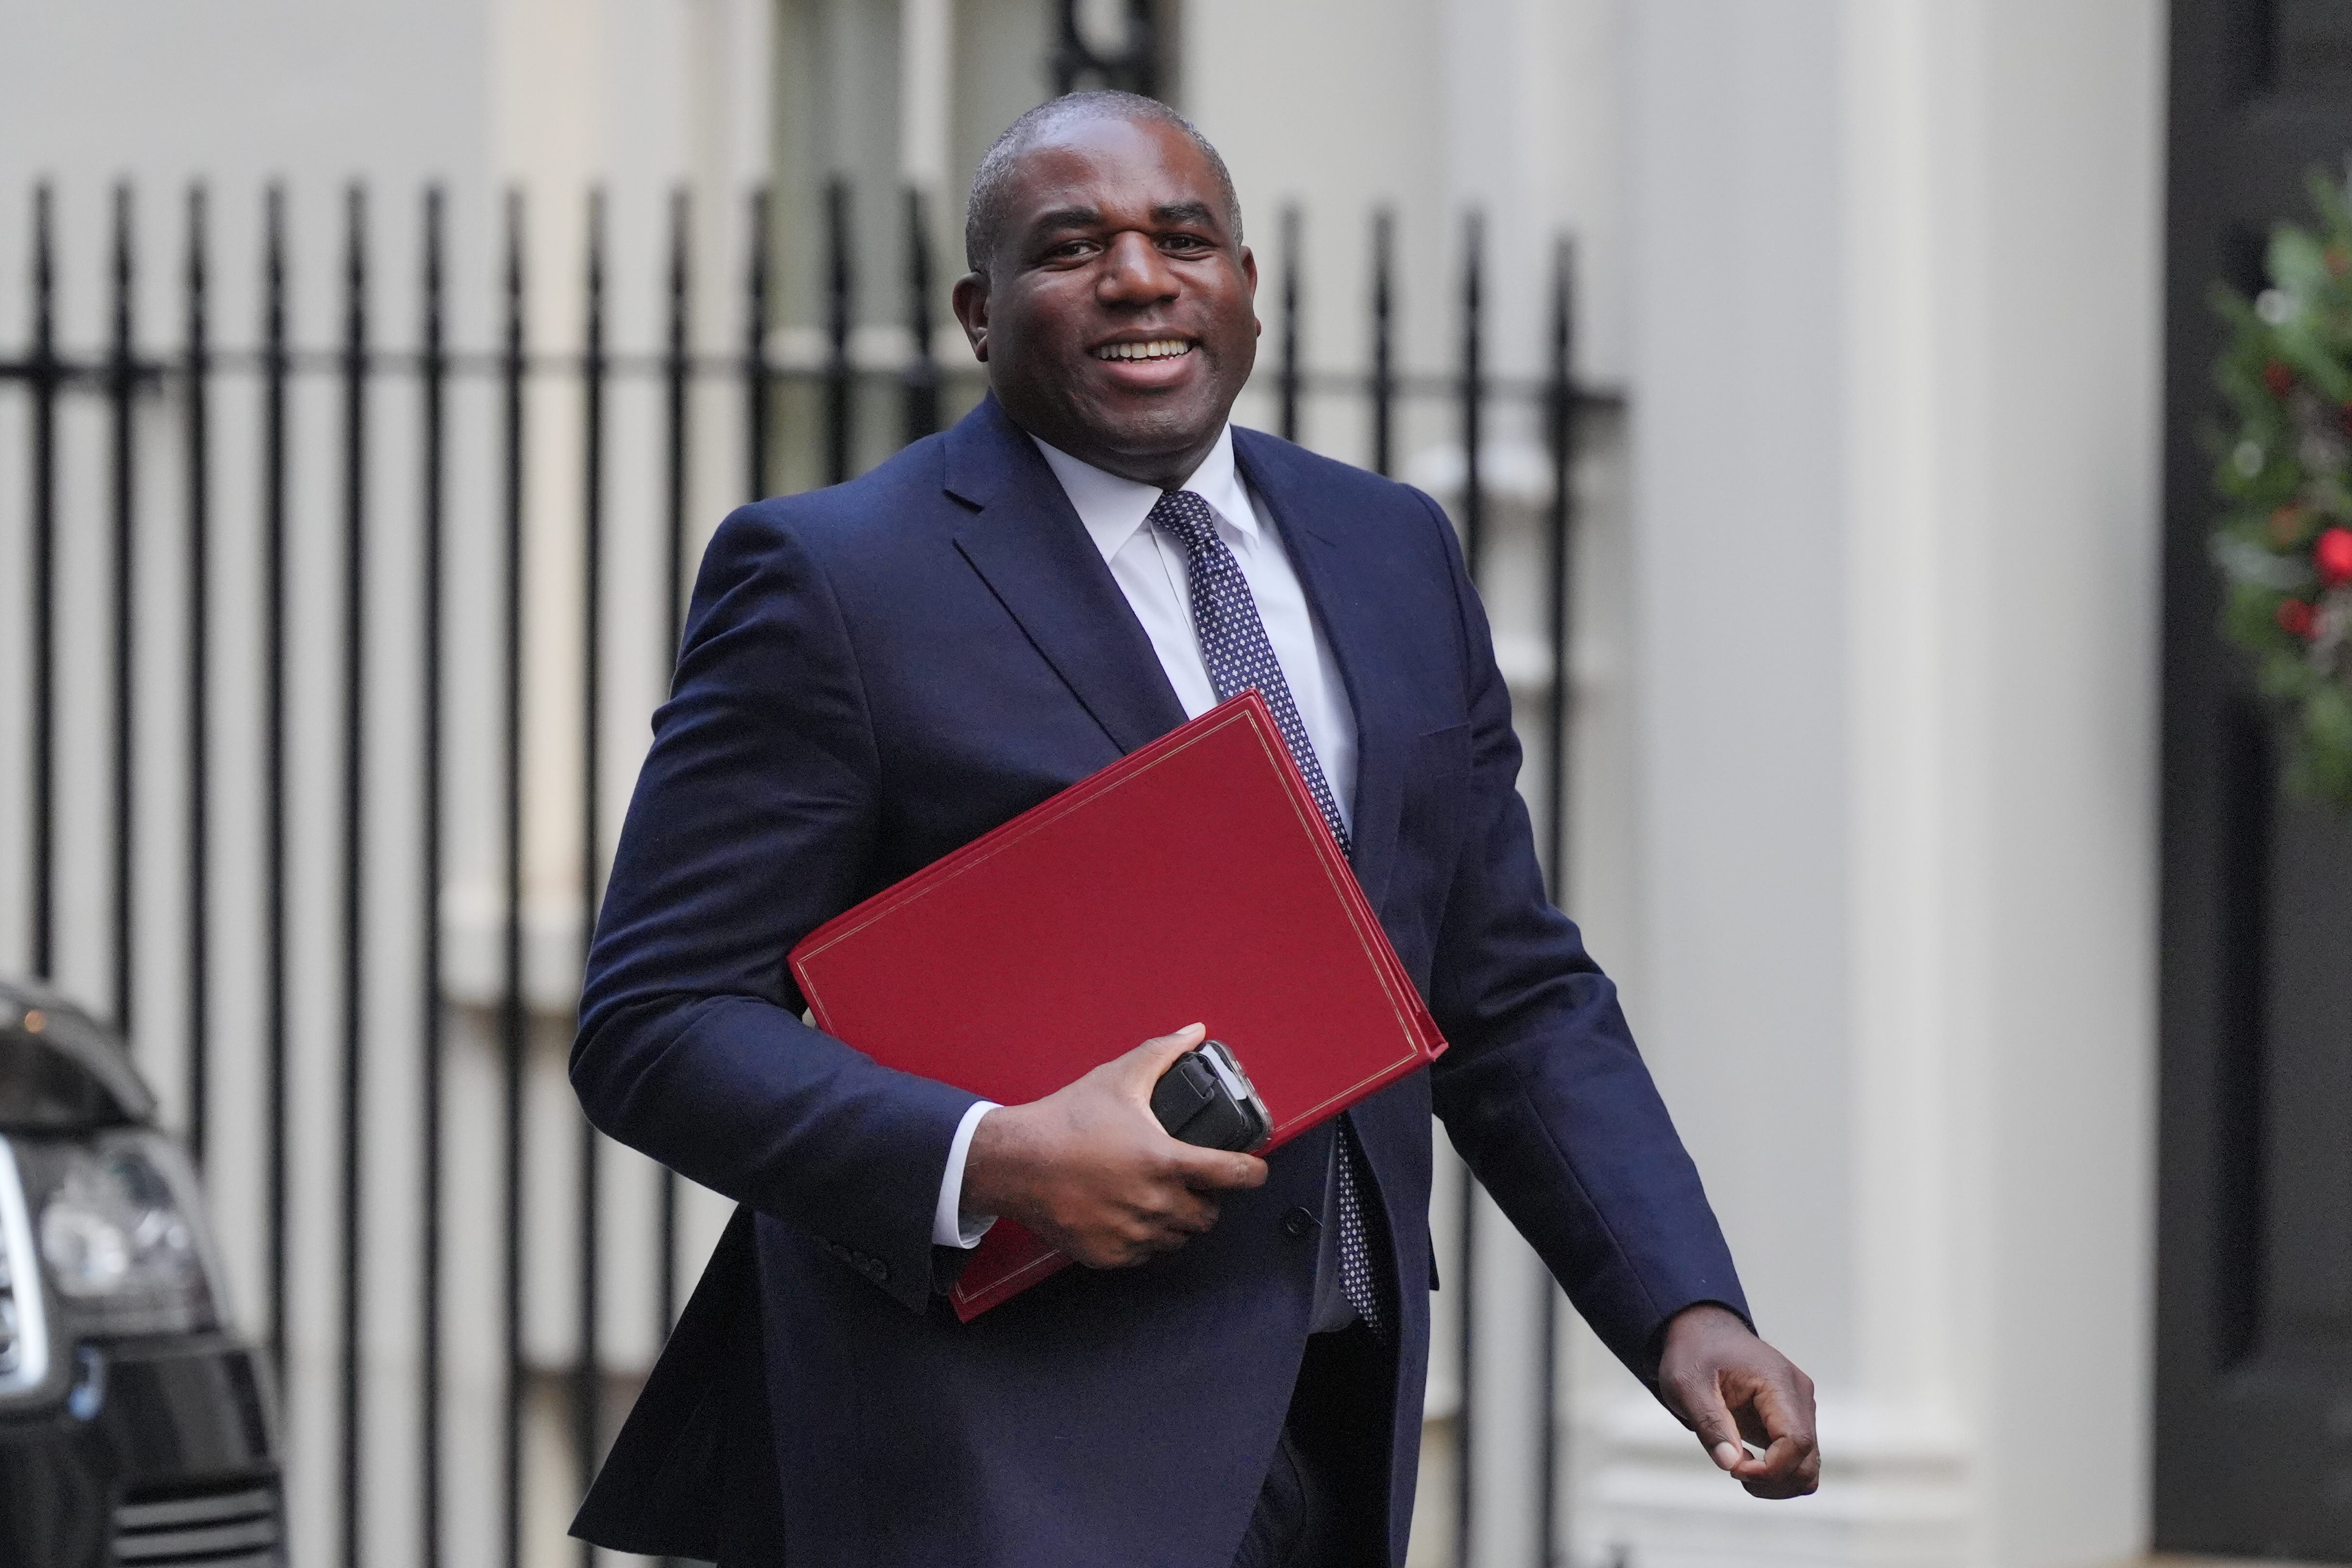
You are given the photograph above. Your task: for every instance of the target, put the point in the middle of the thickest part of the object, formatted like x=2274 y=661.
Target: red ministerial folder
x=1192 y=879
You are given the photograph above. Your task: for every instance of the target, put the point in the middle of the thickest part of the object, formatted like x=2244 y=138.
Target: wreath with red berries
x=2284 y=543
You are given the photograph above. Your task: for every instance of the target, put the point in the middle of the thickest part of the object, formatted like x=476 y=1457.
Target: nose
x=1134 y=272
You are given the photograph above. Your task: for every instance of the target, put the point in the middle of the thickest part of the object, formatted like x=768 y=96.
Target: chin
x=1156 y=430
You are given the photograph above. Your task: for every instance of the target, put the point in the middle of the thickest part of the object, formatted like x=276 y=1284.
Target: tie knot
x=1186 y=518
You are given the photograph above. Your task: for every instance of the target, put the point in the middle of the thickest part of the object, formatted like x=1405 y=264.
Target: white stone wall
x=1864 y=684
x=1895 y=361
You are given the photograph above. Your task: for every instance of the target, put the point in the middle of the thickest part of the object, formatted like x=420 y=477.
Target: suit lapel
x=1346 y=604
x=1027 y=543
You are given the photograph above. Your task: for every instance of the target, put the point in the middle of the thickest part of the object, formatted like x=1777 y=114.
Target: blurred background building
x=1909 y=798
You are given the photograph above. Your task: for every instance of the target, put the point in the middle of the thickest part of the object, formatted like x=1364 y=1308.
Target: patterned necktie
x=1235 y=647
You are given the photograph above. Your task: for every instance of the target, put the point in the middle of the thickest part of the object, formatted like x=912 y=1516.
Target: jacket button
x=879 y=1270
x=1298 y=1222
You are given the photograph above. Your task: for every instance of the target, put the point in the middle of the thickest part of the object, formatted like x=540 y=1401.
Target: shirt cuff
x=949 y=1227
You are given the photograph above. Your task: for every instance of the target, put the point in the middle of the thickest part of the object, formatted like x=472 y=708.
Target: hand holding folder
x=1090 y=1169
x=1191 y=880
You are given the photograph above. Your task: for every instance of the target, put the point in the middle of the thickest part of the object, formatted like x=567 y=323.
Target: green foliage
x=2323 y=766
x=2283 y=469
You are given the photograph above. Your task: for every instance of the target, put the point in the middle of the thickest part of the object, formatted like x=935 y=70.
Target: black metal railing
x=137 y=389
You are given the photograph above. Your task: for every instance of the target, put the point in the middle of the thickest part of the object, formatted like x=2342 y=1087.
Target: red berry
x=2332 y=554
x=2294 y=616
x=2278 y=378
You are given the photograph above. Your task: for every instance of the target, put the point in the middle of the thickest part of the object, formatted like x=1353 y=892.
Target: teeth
x=1159 y=348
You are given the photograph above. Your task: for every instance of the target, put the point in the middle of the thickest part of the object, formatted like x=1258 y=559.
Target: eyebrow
x=1065 y=217
x=1089 y=217
x=1185 y=212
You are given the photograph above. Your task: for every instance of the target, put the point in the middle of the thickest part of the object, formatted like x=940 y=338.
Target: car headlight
x=120 y=1228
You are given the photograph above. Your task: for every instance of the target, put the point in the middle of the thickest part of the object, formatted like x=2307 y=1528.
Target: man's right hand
x=1090 y=1169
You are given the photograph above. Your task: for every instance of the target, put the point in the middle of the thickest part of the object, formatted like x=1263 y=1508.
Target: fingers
x=1787 y=1469
x=1215 y=1170
x=1144 y=1233
x=1783 y=1406
x=1699 y=1403
x=1790 y=1468
x=1180 y=1211
x=1113 y=1189
x=1752 y=1429
x=1172 y=1205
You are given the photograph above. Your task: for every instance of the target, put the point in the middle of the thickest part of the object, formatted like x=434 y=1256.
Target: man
x=877 y=673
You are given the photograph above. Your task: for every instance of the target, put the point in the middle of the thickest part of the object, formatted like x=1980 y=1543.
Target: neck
x=1164 y=474
x=1160 y=467
x=1161 y=470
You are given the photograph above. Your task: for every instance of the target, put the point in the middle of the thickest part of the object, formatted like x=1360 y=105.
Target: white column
x=1896 y=271
x=926 y=93
x=2054 y=1002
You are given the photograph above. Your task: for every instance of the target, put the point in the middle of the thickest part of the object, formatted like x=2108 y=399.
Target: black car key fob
x=1204 y=1098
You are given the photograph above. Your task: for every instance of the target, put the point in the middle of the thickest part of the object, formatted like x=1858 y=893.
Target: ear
x=1249 y=273
x=969 y=299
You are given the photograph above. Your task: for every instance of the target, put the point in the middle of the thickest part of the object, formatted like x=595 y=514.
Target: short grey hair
x=991 y=183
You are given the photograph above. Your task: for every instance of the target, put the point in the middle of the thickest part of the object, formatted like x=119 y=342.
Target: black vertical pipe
x=1289 y=370
x=1560 y=410
x=274 y=368
x=197 y=441
x=839 y=286
x=1474 y=389
x=355 y=368
x=1384 y=331
x=44 y=520
x=512 y=1021
x=1559 y=430
x=922 y=367
x=586 y=1392
x=676 y=368
x=122 y=387
x=1465 y=1471
x=1473 y=515
x=433 y=375
x=755 y=350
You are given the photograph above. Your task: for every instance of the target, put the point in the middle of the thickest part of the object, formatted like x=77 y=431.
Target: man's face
x=1116 y=318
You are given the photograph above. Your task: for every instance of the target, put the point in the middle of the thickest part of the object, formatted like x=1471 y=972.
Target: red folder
x=1192 y=879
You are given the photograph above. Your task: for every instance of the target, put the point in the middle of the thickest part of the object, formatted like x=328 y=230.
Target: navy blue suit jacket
x=877 y=673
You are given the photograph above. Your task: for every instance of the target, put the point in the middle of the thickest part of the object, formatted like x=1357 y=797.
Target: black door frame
x=2254 y=1446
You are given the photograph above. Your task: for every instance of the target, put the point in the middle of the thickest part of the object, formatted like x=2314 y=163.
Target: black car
x=135 y=1427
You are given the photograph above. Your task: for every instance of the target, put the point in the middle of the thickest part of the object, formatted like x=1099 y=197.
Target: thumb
x=1157 y=1054
x=1711 y=1420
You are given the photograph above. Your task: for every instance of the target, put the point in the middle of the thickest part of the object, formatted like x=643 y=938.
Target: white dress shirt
x=1148 y=567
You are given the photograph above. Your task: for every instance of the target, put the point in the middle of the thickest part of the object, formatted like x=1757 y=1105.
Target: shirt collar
x=1113 y=508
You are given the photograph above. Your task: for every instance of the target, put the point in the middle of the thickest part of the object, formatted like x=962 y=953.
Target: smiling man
x=876 y=674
